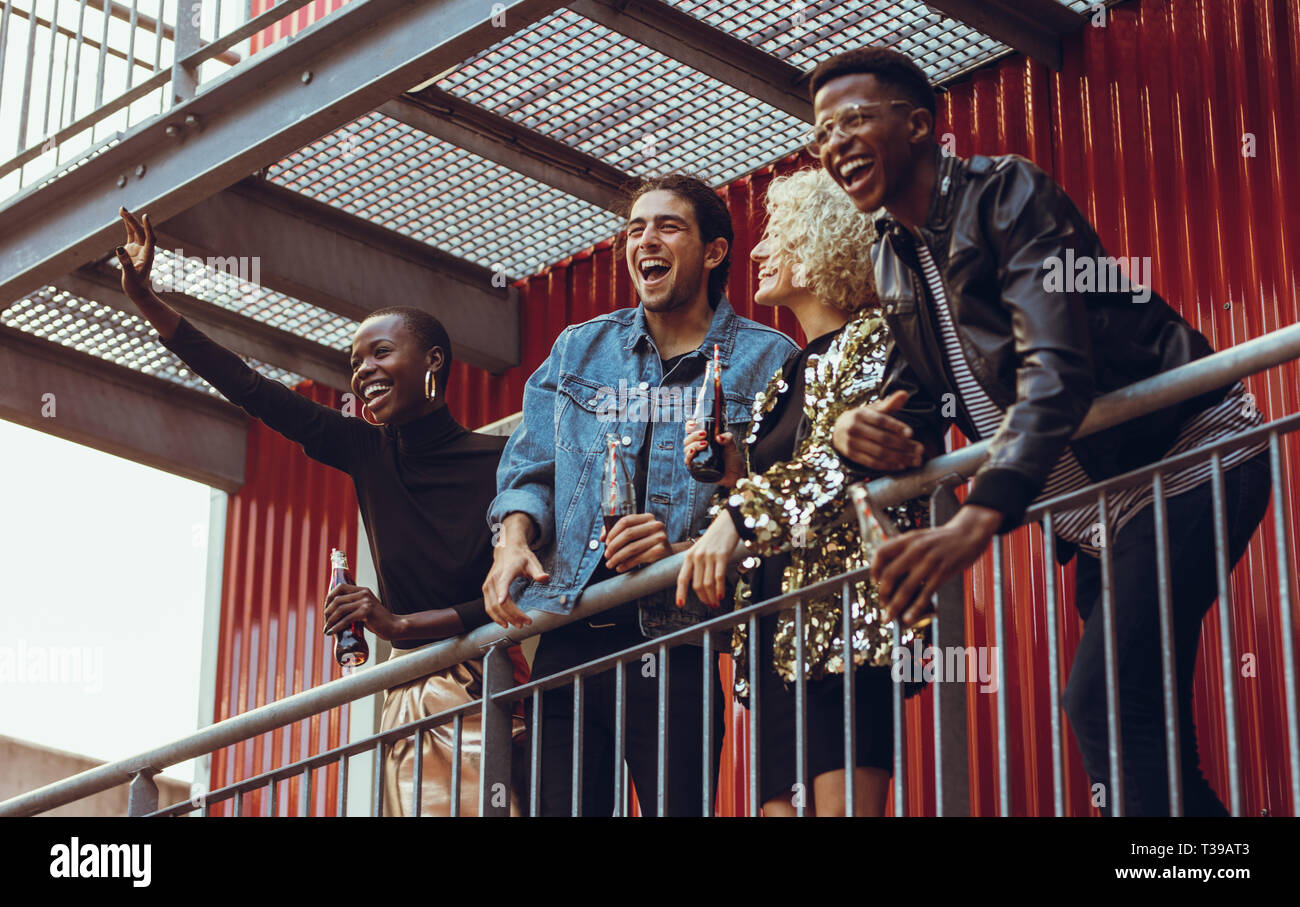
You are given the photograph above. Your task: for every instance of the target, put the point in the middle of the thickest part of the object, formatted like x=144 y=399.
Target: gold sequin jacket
x=801 y=503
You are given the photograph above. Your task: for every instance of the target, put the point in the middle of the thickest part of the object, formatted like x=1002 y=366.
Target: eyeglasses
x=847 y=120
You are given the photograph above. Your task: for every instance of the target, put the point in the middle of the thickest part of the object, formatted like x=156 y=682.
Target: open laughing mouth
x=376 y=392
x=654 y=271
x=855 y=172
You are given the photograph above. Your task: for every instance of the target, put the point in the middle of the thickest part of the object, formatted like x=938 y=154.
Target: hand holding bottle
x=697 y=442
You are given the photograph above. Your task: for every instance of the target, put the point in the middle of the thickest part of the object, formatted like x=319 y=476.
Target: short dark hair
x=897 y=70
x=711 y=215
x=428 y=332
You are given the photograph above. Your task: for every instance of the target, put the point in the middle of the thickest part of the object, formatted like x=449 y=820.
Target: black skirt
x=873 y=711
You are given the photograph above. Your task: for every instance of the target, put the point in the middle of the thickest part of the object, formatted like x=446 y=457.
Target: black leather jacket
x=1042 y=356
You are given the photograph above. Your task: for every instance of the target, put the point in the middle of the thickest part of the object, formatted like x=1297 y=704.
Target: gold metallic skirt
x=422 y=698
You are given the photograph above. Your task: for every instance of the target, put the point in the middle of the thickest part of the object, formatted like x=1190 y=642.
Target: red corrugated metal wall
x=279 y=530
x=1149 y=127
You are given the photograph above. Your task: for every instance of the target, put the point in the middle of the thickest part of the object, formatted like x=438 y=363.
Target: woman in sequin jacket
x=784 y=496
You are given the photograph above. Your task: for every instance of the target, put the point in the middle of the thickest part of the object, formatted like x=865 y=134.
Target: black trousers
x=1193 y=589
x=580 y=642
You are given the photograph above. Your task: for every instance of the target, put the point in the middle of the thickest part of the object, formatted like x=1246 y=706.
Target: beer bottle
x=350 y=649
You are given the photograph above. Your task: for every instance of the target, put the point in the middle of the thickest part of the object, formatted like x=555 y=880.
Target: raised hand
x=136 y=257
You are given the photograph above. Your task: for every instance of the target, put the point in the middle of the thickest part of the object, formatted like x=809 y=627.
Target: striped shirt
x=1082 y=524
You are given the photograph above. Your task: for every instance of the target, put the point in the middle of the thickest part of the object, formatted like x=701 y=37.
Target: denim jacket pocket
x=578 y=426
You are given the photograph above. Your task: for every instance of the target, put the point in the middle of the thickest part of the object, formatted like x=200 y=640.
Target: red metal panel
x=280 y=527
x=1146 y=127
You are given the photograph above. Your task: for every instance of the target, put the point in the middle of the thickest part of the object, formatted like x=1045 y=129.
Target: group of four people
x=917 y=278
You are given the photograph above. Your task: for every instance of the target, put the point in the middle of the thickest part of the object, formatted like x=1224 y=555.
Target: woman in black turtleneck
x=423 y=483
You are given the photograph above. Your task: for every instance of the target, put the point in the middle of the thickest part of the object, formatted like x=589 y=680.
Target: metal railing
x=936 y=479
x=117 y=67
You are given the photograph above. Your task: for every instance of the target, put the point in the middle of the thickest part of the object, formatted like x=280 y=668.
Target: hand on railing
x=634 y=541
x=870 y=437
x=512 y=559
x=910 y=569
x=705 y=566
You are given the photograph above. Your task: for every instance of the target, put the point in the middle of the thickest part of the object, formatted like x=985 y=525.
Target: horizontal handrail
x=696 y=633
x=1183 y=383
x=1138 y=399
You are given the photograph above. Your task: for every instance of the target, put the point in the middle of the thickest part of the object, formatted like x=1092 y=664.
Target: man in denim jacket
x=552 y=543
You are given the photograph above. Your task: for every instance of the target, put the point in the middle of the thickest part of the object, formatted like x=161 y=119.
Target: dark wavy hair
x=428 y=332
x=711 y=216
x=897 y=70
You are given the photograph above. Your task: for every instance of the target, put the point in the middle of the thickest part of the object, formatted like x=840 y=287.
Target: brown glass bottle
x=710 y=464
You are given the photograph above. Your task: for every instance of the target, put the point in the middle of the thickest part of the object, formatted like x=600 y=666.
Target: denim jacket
x=599 y=379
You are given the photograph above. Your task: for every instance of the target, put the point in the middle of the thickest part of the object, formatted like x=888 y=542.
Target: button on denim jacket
x=551 y=467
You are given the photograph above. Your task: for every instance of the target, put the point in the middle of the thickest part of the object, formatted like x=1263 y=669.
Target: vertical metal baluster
x=27 y=81
x=304 y=793
x=377 y=788
x=535 y=758
x=755 y=804
x=457 y=729
x=900 y=727
x=4 y=39
x=76 y=63
x=1168 y=668
x=239 y=804
x=158 y=36
x=661 y=792
x=1280 y=534
x=130 y=44
x=707 y=731
x=1224 y=570
x=497 y=753
x=800 y=714
x=417 y=780
x=1115 y=747
x=185 y=79
x=103 y=57
x=575 y=795
x=620 y=736
x=1000 y=660
x=63 y=92
x=342 y=806
x=1053 y=665
x=273 y=807
x=850 y=713
x=49 y=67
x=951 y=737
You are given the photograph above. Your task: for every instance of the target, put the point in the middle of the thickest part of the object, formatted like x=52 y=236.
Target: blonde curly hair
x=824 y=239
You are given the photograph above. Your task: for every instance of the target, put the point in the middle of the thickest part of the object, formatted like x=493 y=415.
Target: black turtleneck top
x=423 y=487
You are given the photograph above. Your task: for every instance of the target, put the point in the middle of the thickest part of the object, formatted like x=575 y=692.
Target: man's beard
x=678 y=297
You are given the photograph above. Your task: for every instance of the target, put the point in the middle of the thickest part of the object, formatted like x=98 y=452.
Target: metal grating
x=803 y=33
x=112 y=335
x=405 y=180
x=565 y=77
x=633 y=107
x=239 y=293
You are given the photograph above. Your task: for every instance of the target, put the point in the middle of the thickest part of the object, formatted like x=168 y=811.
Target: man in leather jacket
x=984 y=336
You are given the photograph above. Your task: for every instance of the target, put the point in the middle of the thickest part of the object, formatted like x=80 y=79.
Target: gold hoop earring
x=365 y=410
x=430 y=385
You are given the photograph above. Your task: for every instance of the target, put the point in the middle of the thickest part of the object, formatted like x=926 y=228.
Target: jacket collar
x=948 y=169
x=722 y=331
